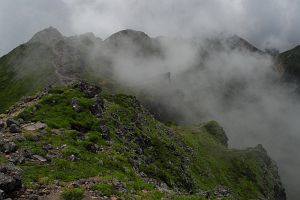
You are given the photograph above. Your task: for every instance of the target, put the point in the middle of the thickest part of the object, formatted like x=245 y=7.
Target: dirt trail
x=21 y=105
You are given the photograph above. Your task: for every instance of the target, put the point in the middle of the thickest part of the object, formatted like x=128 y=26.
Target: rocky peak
x=47 y=36
x=237 y=42
x=136 y=42
x=128 y=35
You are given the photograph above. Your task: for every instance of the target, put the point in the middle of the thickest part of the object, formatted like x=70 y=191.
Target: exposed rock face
x=47 y=36
x=89 y=90
x=97 y=108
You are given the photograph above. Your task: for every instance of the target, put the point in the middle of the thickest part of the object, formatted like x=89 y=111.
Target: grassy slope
x=186 y=159
x=25 y=70
x=245 y=172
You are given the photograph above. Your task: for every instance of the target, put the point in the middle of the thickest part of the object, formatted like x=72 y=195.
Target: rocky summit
x=80 y=141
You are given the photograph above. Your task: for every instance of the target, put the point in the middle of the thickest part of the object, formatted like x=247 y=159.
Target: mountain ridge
x=70 y=56
x=104 y=146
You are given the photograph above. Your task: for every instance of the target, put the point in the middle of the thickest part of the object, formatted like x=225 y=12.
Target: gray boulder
x=14 y=128
x=21 y=121
x=17 y=158
x=10 y=147
x=39 y=158
x=10 y=178
x=47 y=147
x=34 y=126
x=221 y=191
x=10 y=122
x=7 y=183
x=92 y=147
x=97 y=108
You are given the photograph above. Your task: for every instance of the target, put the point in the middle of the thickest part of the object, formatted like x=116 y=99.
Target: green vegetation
x=73 y=194
x=55 y=110
x=24 y=71
x=127 y=147
x=3 y=160
x=215 y=164
x=106 y=189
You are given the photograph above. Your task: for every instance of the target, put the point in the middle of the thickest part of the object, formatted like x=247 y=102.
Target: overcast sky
x=264 y=23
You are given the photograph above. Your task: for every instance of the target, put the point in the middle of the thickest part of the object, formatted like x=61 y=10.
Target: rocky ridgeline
x=77 y=140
